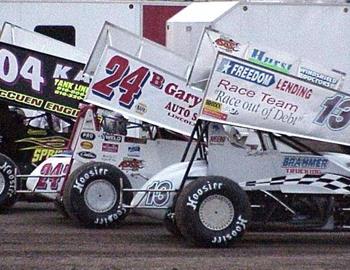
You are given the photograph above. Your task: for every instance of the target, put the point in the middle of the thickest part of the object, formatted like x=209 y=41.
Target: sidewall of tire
x=7 y=169
x=73 y=196
x=187 y=211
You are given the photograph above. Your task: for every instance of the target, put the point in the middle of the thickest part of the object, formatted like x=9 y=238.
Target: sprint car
x=103 y=139
x=276 y=179
x=231 y=177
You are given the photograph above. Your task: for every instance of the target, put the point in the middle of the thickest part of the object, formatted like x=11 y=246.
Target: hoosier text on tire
x=7 y=182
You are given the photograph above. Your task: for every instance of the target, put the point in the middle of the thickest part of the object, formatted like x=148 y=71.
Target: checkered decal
x=333 y=182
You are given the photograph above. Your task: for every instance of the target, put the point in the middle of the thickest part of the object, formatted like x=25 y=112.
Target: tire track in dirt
x=35 y=236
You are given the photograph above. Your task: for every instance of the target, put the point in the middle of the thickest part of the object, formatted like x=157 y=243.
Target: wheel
x=171 y=226
x=212 y=211
x=8 y=195
x=92 y=195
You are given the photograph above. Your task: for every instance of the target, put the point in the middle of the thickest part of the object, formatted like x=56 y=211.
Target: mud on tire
x=8 y=194
x=212 y=211
x=92 y=194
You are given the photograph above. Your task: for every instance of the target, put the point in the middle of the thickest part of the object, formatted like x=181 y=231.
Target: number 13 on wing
x=120 y=78
x=335 y=112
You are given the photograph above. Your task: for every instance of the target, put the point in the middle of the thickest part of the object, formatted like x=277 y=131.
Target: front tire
x=92 y=195
x=212 y=211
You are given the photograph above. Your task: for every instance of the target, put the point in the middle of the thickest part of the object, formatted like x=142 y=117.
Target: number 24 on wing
x=130 y=84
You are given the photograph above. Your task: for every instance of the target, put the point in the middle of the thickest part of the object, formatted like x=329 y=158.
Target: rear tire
x=212 y=211
x=8 y=184
x=91 y=195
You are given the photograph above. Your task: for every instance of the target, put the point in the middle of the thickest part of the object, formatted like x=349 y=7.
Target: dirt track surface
x=35 y=236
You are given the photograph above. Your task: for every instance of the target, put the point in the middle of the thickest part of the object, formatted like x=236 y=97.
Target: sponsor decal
x=213 y=109
x=304 y=165
x=263 y=59
x=110 y=147
x=317 y=78
x=294 y=89
x=141 y=108
x=218 y=140
x=40 y=154
x=87 y=155
x=70 y=89
x=21 y=98
x=135 y=140
x=246 y=73
x=180 y=113
x=88 y=136
x=227 y=44
x=110 y=158
x=36 y=132
x=86 y=145
x=131 y=164
x=41 y=81
x=134 y=151
x=112 y=137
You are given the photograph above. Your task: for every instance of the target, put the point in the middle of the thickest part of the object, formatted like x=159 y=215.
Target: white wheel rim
x=100 y=196
x=216 y=212
x=2 y=183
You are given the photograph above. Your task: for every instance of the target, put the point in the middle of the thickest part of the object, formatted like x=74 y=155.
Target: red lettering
x=117 y=67
x=224 y=83
x=157 y=80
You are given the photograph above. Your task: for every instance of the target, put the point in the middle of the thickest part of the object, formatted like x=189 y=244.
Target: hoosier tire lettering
x=79 y=182
x=8 y=182
x=193 y=199
x=111 y=218
x=212 y=211
x=240 y=226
